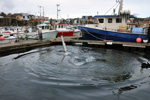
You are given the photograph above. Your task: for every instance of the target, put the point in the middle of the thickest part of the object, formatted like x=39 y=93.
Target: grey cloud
x=7 y=5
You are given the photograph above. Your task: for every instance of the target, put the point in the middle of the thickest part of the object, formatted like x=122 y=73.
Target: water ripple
x=81 y=72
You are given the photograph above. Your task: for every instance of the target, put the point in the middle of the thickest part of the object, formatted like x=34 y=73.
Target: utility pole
x=58 y=10
x=43 y=12
x=40 y=12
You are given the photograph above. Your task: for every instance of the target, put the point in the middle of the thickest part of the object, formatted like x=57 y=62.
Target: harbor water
x=81 y=73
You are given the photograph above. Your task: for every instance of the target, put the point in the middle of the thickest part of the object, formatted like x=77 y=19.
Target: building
x=18 y=17
x=1 y=17
x=23 y=16
x=88 y=20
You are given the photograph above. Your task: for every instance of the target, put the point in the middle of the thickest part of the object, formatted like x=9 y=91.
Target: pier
x=102 y=43
x=26 y=45
x=22 y=46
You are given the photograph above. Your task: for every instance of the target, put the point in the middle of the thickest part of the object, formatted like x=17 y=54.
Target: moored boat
x=98 y=34
x=45 y=30
x=114 y=27
x=65 y=32
x=62 y=30
x=50 y=34
x=10 y=39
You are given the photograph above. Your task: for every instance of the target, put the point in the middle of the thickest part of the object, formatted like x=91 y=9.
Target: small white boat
x=10 y=39
x=49 y=34
x=46 y=31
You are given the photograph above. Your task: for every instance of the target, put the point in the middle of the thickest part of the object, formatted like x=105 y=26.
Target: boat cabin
x=112 y=22
x=59 y=26
x=44 y=26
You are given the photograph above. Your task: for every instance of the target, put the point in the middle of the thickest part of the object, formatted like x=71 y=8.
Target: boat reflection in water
x=81 y=73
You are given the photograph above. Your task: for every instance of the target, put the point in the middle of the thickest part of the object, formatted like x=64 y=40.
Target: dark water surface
x=82 y=73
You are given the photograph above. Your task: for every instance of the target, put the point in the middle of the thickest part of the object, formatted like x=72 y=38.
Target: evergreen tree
x=3 y=14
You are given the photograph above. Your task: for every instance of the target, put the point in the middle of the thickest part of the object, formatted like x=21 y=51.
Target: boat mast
x=120 y=7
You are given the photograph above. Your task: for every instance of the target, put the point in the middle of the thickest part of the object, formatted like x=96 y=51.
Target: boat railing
x=144 y=31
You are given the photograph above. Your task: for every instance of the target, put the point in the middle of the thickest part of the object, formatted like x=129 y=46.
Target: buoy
x=145 y=41
x=36 y=36
x=138 y=40
x=2 y=38
x=12 y=42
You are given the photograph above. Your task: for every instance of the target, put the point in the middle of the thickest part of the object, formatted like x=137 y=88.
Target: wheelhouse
x=112 y=22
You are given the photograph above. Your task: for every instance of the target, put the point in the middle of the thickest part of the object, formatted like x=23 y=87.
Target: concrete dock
x=6 y=49
x=103 y=43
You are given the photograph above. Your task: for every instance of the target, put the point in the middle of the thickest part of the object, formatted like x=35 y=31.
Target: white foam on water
x=78 y=61
x=90 y=59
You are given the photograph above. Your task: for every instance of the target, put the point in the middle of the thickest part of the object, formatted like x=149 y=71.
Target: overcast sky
x=73 y=8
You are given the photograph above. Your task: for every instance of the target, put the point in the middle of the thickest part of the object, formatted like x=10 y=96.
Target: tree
x=3 y=14
x=9 y=15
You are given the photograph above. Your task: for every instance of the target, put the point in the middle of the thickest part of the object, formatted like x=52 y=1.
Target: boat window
x=61 y=26
x=118 y=20
x=42 y=27
x=101 y=20
x=47 y=27
x=55 y=27
x=109 y=20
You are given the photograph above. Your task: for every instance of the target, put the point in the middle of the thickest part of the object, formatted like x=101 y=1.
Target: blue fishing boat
x=116 y=27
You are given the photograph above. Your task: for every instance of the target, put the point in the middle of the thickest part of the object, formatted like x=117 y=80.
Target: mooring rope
x=94 y=35
x=111 y=8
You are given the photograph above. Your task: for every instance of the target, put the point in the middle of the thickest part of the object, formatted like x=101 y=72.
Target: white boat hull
x=49 y=34
x=8 y=40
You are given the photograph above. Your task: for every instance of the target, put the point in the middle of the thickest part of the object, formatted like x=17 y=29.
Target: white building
x=1 y=17
x=25 y=16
